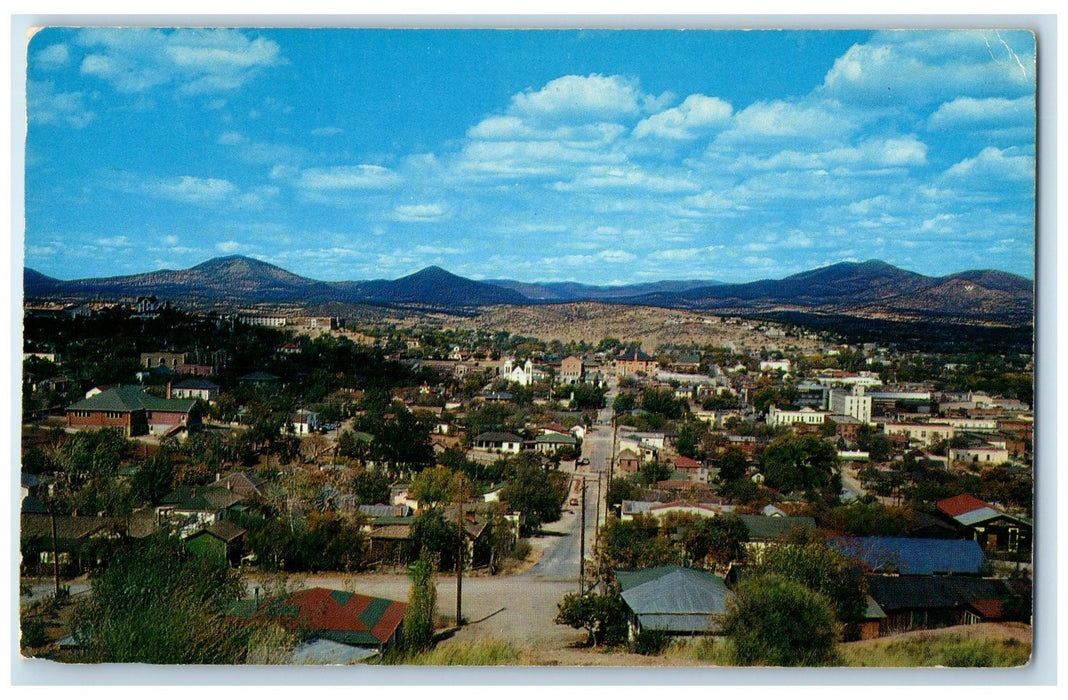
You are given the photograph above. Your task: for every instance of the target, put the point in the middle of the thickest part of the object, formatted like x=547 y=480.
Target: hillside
x=871 y=289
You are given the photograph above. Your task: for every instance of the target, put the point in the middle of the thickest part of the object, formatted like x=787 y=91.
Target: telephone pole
x=459 y=550
x=582 y=543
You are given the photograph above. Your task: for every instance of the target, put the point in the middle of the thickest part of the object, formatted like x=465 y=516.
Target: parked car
x=584 y=461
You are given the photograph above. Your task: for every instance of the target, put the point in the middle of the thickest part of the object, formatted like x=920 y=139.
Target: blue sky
x=596 y=156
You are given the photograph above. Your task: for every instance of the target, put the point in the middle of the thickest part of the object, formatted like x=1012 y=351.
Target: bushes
x=419 y=619
x=773 y=621
x=650 y=643
x=603 y=616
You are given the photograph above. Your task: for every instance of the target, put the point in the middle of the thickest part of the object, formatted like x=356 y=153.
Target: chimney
x=168 y=391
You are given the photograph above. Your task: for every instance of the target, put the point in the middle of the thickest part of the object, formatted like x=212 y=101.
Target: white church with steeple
x=514 y=373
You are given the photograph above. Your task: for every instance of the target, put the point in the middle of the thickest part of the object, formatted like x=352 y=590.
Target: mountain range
x=872 y=289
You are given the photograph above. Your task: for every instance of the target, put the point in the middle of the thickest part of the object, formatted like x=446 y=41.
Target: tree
x=370 y=486
x=621 y=489
x=537 y=493
x=603 y=616
x=430 y=531
x=801 y=463
x=714 y=541
x=633 y=544
x=775 y=621
x=812 y=563
x=732 y=464
x=161 y=604
x=422 y=604
x=434 y=486
x=154 y=479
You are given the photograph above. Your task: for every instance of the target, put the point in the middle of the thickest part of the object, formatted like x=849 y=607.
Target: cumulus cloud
x=52 y=57
x=696 y=115
x=920 y=67
x=348 y=177
x=627 y=177
x=988 y=112
x=995 y=164
x=231 y=138
x=46 y=105
x=419 y=212
x=228 y=246
x=134 y=59
x=780 y=119
x=191 y=190
x=590 y=97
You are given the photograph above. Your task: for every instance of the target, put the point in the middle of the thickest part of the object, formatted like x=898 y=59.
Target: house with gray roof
x=674 y=600
x=502 y=442
x=994 y=529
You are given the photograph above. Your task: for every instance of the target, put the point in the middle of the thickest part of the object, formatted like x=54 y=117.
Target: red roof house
x=340 y=616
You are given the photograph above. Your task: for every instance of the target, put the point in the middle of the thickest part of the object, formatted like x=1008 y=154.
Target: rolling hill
x=871 y=289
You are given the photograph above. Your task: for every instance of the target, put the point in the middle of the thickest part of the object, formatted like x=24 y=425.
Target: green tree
x=370 y=486
x=431 y=531
x=775 y=621
x=714 y=541
x=434 y=486
x=154 y=479
x=732 y=464
x=422 y=604
x=620 y=490
x=161 y=604
x=801 y=463
x=536 y=492
x=603 y=616
x=633 y=544
x=812 y=563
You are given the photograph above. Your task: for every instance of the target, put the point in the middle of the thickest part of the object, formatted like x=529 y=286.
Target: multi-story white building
x=853 y=402
x=923 y=433
x=806 y=416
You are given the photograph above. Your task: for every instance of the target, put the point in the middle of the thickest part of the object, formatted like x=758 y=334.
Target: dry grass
x=972 y=646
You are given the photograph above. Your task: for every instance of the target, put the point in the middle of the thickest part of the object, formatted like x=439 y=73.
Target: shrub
x=650 y=643
x=419 y=619
x=34 y=632
x=522 y=550
x=777 y=622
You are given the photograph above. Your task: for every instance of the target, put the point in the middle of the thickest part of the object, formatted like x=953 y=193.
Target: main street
x=518 y=607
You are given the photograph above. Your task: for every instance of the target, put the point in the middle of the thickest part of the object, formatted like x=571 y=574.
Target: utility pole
x=582 y=543
x=459 y=550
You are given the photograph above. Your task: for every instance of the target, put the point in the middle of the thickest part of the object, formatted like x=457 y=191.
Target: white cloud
x=46 y=106
x=348 y=177
x=327 y=131
x=989 y=112
x=191 y=190
x=780 y=119
x=113 y=242
x=919 y=67
x=629 y=177
x=698 y=114
x=228 y=246
x=257 y=197
x=134 y=59
x=419 y=212
x=52 y=57
x=591 y=97
x=231 y=138
x=170 y=241
x=995 y=164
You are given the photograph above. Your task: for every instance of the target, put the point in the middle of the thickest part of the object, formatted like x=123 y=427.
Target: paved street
x=518 y=607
